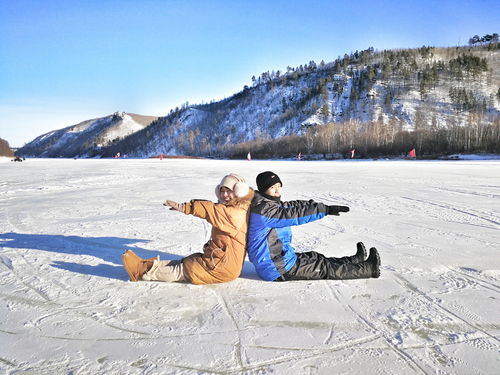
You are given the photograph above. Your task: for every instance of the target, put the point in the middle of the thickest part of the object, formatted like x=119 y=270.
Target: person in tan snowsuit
x=223 y=255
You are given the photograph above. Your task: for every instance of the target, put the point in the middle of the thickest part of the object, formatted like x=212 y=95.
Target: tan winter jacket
x=223 y=256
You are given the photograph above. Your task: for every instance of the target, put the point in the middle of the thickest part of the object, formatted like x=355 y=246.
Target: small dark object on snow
x=17 y=158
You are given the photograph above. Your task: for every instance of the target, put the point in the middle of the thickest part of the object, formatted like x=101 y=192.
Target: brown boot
x=135 y=266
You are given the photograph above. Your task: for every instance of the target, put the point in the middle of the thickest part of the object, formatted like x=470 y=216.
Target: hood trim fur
x=242 y=202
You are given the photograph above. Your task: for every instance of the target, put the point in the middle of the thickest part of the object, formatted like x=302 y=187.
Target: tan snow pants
x=166 y=270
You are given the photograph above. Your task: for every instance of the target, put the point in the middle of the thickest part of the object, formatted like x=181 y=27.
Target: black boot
x=360 y=254
x=363 y=270
x=374 y=261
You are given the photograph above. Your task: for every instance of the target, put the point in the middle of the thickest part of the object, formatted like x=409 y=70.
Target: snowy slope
x=67 y=306
x=366 y=87
x=293 y=102
x=87 y=137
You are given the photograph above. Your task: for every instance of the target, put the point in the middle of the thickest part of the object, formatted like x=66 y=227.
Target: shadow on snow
x=109 y=249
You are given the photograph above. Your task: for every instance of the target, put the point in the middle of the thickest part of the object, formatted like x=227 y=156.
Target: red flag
x=161 y=156
x=413 y=154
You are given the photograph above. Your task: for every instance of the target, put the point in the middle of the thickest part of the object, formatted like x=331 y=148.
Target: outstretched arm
x=295 y=213
x=290 y=213
x=330 y=210
x=219 y=215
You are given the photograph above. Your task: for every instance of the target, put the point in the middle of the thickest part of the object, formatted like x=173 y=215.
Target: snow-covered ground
x=67 y=307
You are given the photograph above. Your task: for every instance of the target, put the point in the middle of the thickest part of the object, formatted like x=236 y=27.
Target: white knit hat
x=234 y=182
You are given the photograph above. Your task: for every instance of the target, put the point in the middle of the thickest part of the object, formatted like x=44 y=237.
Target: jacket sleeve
x=219 y=215
x=299 y=203
x=290 y=213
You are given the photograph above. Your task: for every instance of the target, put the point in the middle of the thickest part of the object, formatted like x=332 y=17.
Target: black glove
x=336 y=210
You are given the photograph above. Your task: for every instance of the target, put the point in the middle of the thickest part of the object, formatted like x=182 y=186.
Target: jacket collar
x=276 y=199
x=242 y=201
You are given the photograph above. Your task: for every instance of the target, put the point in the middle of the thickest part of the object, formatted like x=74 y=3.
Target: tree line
x=422 y=69
x=378 y=139
x=488 y=38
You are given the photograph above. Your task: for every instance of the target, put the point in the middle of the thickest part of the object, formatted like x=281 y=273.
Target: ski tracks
x=367 y=322
x=238 y=355
x=475 y=215
x=409 y=339
x=286 y=355
x=400 y=279
x=420 y=321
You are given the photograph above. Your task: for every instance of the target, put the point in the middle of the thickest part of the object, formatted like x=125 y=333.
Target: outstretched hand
x=174 y=206
x=336 y=210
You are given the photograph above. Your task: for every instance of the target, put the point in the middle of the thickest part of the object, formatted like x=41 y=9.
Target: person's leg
x=316 y=266
x=308 y=266
x=165 y=270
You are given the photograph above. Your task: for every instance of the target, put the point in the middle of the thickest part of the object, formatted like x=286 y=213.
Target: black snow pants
x=315 y=266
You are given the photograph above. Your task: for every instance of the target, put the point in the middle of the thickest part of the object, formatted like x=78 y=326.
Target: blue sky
x=62 y=62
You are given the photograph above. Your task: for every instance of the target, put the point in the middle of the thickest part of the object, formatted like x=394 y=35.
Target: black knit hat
x=266 y=180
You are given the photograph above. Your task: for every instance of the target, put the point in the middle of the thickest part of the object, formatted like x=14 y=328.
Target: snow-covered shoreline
x=482 y=157
x=67 y=306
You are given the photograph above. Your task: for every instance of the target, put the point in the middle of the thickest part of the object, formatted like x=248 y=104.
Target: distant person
x=269 y=239
x=223 y=255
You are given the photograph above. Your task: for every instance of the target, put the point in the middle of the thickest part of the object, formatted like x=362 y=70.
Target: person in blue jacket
x=269 y=239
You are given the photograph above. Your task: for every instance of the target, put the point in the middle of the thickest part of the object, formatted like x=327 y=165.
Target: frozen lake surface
x=67 y=307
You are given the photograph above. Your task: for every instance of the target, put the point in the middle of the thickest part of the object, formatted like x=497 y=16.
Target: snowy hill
x=423 y=88
x=86 y=138
x=413 y=88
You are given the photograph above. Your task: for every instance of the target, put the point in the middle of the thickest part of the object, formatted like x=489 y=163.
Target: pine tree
x=475 y=39
x=337 y=67
x=388 y=102
x=325 y=111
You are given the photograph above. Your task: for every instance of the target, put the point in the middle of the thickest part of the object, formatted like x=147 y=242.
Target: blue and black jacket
x=269 y=233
